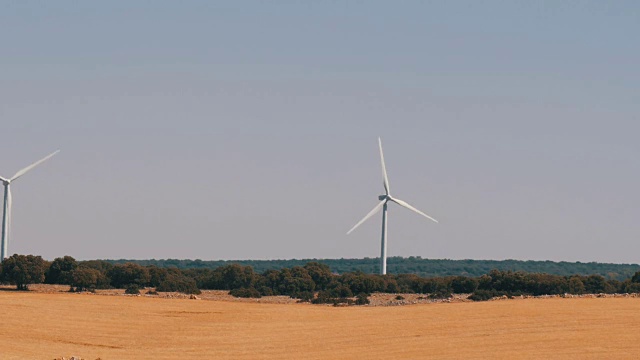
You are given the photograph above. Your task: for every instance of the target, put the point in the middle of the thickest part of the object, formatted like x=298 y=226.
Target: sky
x=248 y=129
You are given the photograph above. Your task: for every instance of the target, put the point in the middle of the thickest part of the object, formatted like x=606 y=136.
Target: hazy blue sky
x=233 y=130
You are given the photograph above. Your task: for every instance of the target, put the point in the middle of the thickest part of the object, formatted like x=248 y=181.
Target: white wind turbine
x=384 y=199
x=6 y=215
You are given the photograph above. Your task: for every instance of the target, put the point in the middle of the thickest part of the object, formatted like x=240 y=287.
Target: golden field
x=45 y=326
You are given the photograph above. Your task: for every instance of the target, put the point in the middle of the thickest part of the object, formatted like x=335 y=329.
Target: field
x=45 y=326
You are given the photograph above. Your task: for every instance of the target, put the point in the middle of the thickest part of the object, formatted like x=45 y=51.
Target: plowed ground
x=46 y=326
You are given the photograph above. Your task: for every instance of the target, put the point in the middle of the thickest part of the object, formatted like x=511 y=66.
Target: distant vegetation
x=414 y=265
x=314 y=281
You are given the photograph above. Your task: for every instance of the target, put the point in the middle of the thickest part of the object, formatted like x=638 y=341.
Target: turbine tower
x=6 y=214
x=384 y=200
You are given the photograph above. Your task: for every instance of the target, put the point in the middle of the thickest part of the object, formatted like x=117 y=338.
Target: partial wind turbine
x=6 y=215
x=384 y=200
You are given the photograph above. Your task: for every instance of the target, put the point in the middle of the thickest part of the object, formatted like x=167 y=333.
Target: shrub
x=362 y=299
x=304 y=296
x=339 y=301
x=323 y=297
x=245 y=293
x=328 y=297
x=132 y=289
x=441 y=293
x=391 y=285
x=463 y=285
x=399 y=297
x=339 y=291
x=266 y=291
x=482 y=295
x=179 y=283
x=359 y=282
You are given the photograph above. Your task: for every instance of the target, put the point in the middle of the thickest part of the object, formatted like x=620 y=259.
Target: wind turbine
x=6 y=215
x=384 y=200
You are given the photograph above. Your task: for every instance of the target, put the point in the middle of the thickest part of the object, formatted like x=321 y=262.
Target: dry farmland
x=46 y=326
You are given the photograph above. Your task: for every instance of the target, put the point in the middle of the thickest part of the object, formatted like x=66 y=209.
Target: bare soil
x=377 y=299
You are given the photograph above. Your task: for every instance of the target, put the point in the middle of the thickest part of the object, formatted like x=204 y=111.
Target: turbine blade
x=385 y=178
x=406 y=205
x=26 y=170
x=370 y=214
x=3 y=179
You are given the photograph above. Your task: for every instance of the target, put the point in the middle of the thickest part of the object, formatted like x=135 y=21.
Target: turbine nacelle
x=383 y=197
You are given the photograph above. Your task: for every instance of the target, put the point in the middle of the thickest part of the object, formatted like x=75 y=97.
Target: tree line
x=313 y=281
x=413 y=265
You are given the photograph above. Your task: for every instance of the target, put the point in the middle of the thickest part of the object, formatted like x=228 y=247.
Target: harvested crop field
x=50 y=325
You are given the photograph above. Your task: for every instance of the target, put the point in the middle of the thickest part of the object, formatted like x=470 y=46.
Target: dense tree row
x=414 y=265
x=312 y=282
x=22 y=270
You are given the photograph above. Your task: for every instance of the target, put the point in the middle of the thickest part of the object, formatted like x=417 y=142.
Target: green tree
x=631 y=287
x=232 y=276
x=23 y=270
x=157 y=275
x=339 y=291
x=359 y=282
x=179 y=283
x=576 y=286
x=100 y=265
x=85 y=279
x=201 y=276
x=595 y=284
x=463 y=285
x=270 y=280
x=294 y=281
x=320 y=274
x=60 y=271
x=123 y=275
